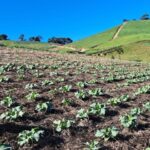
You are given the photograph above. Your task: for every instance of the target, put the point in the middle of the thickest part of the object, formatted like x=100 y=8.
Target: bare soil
x=83 y=130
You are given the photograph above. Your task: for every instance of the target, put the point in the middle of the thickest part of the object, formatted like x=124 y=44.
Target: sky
x=76 y=19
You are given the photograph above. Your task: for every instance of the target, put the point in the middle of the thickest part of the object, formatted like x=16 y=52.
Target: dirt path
x=119 y=30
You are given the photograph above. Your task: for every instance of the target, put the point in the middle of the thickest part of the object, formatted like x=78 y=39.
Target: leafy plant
x=66 y=88
x=81 y=94
x=47 y=82
x=129 y=121
x=67 y=102
x=4 y=79
x=143 y=90
x=62 y=124
x=12 y=114
x=32 y=96
x=37 y=73
x=124 y=98
x=60 y=79
x=135 y=111
x=147 y=106
x=96 y=92
x=31 y=86
x=82 y=114
x=107 y=133
x=93 y=145
x=97 y=109
x=81 y=84
x=113 y=101
x=44 y=107
x=93 y=81
x=116 y=101
x=7 y=101
x=29 y=136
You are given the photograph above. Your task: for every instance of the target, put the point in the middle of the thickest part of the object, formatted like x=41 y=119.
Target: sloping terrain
x=130 y=40
x=52 y=101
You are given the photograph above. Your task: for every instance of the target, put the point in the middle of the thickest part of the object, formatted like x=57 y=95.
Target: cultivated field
x=54 y=101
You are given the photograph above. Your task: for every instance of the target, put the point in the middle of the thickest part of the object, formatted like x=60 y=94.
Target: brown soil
x=75 y=137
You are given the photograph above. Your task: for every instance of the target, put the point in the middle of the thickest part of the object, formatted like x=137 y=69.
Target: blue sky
x=66 y=18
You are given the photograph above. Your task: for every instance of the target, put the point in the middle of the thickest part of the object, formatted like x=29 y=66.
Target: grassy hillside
x=95 y=40
x=139 y=51
x=130 y=40
x=136 y=27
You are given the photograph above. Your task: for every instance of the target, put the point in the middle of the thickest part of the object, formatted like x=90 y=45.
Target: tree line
x=56 y=40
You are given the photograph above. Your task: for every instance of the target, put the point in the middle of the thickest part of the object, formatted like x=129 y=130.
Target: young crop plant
x=93 y=81
x=114 y=101
x=21 y=74
x=82 y=114
x=129 y=121
x=81 y=94
x=97 y=109
x=109 y=79
x=81 y=84
x=62 y=124
x=5 y=147
x=2 y=70
x=44 y=107
x=93 y=145
x=27 y=136
x=146 y=106
x=143 y=90
x=32 y=96
x=135 y=111
x=96 y=92
x=47 y=83
x=66 y=88
x=124 y=98
x=4 y=79
x=107 y=133
x=31 y=86
x=60 y=79
x=37 y=73
x=66 y=102
x=12 y=114
x=7 y=101
x=55 y=67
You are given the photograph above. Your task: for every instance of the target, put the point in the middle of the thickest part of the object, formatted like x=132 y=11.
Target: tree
x=62 y=41
x=35 y=38
x=145 y=17
x=125 y=20
x=3 y=37
x=21 y=37
x=38 y=38
x=32 y=38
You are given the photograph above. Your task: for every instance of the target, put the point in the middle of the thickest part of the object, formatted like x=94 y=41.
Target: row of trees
x=39 y=38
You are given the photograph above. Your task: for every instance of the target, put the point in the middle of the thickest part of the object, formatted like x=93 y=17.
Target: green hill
x=132 y=42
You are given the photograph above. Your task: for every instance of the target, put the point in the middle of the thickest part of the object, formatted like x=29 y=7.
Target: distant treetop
x=62 y=41
x=145 y=17
x=3 y=37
